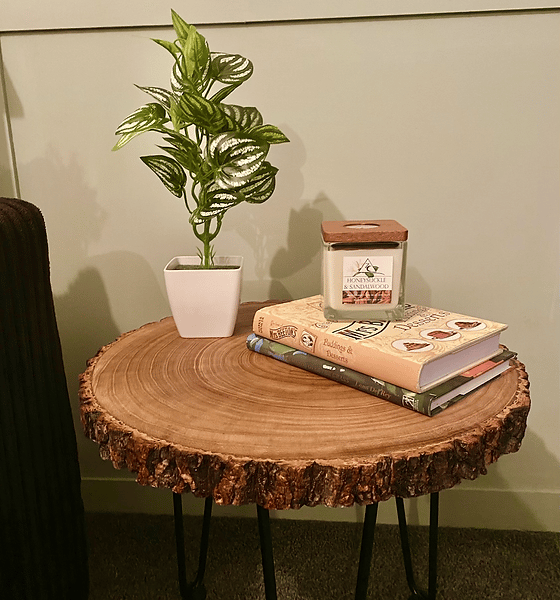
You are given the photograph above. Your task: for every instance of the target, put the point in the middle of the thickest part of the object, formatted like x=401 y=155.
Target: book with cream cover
x=429 y=403
x=425 y=349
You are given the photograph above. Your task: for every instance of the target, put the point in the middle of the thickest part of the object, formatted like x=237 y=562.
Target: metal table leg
x=266 y=553
x=366 y=551
x=196 y=589
x=432 y=558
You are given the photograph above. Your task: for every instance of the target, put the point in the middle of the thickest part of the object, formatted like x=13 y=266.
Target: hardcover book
x=425 y=349
x=429 y=403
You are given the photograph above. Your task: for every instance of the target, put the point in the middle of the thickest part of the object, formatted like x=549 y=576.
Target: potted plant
x=216 y=151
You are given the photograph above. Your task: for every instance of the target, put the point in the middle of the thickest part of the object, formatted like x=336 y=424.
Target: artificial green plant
x=219 y=148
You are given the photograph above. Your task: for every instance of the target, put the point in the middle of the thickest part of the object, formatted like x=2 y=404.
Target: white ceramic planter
x=204 y=302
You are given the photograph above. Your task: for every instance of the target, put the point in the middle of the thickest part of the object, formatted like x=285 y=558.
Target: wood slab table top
x=211 y=417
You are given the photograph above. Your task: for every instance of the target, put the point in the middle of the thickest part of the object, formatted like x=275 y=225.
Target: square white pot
x=204 y=302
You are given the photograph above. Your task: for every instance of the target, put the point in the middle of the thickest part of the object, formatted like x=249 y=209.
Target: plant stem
x=207 y=239
x=187 y=200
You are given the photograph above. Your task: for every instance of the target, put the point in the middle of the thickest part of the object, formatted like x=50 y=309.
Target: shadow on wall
x=295 y=270
x=84 y=324
x=84 y=320
x=417 y=289
x=74 y=221
x=7 y=175
x=7 y=187
x=96 y=296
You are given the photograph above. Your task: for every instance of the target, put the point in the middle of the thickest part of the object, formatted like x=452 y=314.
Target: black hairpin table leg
x=266 y=553
x=432 y=559
x=196 y=589
x=366 y=551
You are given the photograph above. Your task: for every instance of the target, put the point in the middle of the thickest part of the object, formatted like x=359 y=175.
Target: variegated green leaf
x=146 y=118
x=195 y=218
x=237 y=157
x=222 y=94
x=231 y=68
x=179 y=79
x=181 y=141
x=124 y=139
x=197 y=56
x=269 y=133
x=246 y=117
x=204 y=113
x=212 y=195
x=261 y=185
x=169 y=171
x=214 y=201
x=176 y=115
x=181 y=27
x=169 y=46
x=184 y=151
x=162 y=95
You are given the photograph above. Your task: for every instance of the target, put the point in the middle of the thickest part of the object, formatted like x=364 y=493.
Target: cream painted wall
x=449 y=125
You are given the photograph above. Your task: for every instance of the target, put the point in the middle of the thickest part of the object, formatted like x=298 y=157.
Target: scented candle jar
x=364 y=268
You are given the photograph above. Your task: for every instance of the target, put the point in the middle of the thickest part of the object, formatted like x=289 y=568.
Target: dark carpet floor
x=132 y=557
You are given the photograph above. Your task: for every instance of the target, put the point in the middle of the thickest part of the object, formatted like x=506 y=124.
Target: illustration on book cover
x=426 y=347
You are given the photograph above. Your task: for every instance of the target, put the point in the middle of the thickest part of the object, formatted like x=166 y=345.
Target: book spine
x=419 y=402
x=345 y=351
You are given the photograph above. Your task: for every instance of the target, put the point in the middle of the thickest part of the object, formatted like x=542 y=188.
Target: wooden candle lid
x=359 y=232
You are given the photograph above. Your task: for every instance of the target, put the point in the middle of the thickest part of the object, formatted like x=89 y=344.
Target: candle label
x=367 y=279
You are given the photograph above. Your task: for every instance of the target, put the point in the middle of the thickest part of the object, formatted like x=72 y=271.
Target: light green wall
x=451 y=125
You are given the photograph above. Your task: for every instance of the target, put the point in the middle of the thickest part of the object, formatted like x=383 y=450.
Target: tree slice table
x=210 y=417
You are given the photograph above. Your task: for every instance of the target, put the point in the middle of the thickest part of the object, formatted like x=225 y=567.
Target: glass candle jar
x=364 y=268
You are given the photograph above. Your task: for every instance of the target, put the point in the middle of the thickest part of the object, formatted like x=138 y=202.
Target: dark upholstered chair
x=42 y=534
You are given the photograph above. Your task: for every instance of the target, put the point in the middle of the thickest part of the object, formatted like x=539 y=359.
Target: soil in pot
x=201 y=268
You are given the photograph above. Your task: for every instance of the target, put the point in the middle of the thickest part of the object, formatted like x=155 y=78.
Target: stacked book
x=426 y=362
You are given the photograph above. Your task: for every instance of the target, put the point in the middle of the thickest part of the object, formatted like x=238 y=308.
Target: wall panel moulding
x=37 y=15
